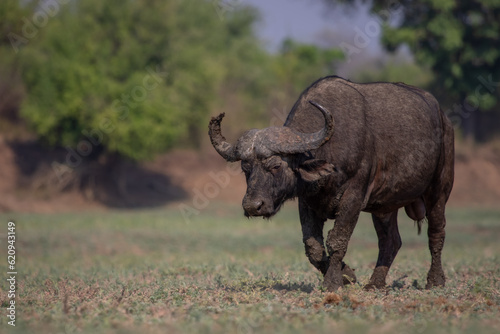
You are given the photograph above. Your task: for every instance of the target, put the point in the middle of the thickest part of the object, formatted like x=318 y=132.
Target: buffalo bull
x=345 y=148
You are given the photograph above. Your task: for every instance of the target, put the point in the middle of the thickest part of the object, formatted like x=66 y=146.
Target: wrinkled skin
x=266 y=201
x=388 y=146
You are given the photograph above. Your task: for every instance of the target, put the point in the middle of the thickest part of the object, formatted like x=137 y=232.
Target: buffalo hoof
x=434 y=282
x=331 y=286
x=377 y=281
x=333 y=281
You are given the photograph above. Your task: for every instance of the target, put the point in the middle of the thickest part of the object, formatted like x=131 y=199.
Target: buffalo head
x=269 y=160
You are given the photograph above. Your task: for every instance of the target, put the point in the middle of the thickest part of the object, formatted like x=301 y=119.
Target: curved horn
x=220 y=144
x=326 y=133
x=285 y=140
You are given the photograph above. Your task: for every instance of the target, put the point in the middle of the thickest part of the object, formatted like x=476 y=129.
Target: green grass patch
x=152 y=272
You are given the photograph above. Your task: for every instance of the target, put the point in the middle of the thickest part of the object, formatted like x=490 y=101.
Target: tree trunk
x=469 y=120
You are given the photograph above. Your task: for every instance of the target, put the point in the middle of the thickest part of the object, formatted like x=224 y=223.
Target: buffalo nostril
x=258 y=205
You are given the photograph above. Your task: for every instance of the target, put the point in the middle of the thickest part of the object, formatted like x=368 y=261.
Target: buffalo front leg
x=338 y=240
x=389 y=243
x=312 y=232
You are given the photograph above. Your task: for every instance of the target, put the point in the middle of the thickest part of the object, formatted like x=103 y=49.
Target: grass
x=151 y=272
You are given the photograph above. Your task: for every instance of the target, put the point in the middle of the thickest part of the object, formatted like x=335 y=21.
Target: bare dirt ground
x=188 y=175
x=477 y=176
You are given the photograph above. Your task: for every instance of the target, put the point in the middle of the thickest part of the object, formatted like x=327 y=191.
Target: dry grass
x=151 y=272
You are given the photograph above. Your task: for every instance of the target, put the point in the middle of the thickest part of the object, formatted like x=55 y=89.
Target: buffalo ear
x=315 y=169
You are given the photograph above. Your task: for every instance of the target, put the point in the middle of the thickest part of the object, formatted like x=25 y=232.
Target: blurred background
x=105 y=104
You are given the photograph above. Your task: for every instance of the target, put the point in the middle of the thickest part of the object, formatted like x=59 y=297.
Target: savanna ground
x=151 y=271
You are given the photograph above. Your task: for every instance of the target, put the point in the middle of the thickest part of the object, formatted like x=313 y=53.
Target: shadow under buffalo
x=307 y=288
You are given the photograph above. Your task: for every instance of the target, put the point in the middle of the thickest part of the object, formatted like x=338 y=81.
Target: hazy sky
x=307 y=21
x=311 y=21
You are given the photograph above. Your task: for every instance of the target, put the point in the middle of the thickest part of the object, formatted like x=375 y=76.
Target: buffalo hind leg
x=389 y=243
x=436 y=233
x=436 y=199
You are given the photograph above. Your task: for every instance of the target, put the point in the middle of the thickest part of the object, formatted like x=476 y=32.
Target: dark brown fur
x=391 y=147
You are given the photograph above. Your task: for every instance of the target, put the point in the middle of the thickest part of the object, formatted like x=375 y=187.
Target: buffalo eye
x=275 y=168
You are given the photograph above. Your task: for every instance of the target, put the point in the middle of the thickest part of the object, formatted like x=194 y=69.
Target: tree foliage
x=130 y=75
x=301 y=64
x=459 y=40
x=11 y=88
x=394 y=70
x=133 y=78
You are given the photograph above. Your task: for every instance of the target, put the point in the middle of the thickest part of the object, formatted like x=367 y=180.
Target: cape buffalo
x=345 y=148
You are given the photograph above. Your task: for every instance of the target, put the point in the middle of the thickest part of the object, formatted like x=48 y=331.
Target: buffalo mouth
x=263 y=211
x=265 y=215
